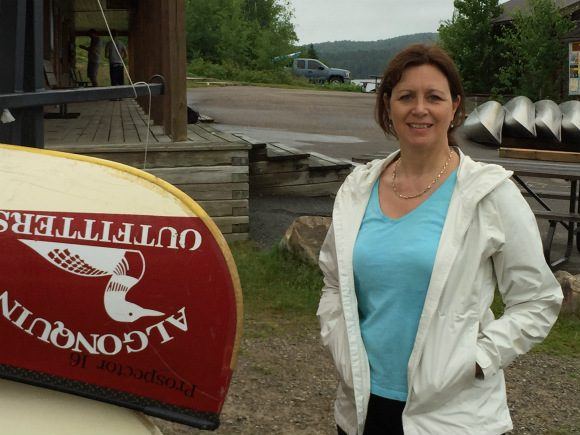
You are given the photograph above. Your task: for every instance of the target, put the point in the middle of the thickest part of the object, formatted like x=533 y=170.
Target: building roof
x=512 y=6
x=572 y=36
x=87 y=15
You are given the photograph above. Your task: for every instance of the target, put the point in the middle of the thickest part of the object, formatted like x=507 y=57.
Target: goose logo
x=126 y=267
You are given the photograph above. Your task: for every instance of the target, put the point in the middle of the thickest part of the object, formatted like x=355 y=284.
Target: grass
x=280 y=292
x=564 y=338
x=342 y=87
x=276 y=283
x=279 y=77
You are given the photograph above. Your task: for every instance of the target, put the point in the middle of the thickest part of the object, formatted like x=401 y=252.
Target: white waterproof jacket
x=490 y=239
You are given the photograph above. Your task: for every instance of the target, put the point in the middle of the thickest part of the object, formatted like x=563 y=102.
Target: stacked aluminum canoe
x=521 y=118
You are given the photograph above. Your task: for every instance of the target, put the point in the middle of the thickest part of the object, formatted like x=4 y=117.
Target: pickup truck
x=316 y=71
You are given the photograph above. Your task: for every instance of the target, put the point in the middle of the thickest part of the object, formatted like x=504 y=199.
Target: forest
x=247 y=39
x=367 y=58
x=250 y=40
x=244 y=33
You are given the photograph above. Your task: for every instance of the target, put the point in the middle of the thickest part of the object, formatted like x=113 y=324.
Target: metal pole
x=12 y=41
x=33 y=131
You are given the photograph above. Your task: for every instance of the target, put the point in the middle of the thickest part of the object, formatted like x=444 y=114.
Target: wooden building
x=567 y=7
x=37 y=35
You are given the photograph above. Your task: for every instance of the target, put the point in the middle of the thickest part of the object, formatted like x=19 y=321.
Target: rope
x=131 y=82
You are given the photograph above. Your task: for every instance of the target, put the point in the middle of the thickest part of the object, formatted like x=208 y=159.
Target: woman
x=419 y=242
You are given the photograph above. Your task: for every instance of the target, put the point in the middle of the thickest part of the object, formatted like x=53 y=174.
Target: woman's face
x=421 y=107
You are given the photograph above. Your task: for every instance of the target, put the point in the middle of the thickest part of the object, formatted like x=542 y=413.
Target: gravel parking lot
x=285 y=384
x=285 y=381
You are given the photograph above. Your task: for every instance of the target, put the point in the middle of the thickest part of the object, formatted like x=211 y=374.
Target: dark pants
x=383 y=417
x=117 y=75
x=92 y=72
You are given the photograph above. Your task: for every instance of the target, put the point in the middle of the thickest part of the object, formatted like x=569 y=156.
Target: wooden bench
x=77 y=78
x=52 y=83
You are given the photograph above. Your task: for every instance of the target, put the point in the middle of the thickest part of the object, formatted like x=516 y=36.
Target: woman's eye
x=435 y=98
x=405 y=97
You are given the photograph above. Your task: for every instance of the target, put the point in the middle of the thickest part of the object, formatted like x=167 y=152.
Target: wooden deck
x=211 y=166
x=102 y=122
x=117 y=122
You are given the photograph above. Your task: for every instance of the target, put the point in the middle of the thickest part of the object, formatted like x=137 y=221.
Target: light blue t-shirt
x=393 y=260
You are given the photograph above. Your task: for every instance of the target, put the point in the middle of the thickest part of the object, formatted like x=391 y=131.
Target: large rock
x=305 y=235
x=571 y=289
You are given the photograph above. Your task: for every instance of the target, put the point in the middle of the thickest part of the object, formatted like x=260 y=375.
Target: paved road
x=338 y=124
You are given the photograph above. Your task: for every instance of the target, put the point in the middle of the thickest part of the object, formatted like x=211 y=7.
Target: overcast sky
x=366 y=20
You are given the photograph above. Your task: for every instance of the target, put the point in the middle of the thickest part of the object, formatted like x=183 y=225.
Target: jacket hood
x=475 y=180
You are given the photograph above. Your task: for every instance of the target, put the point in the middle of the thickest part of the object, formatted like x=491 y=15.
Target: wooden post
x=174 y=61
x=158 y=41
x=21 y=50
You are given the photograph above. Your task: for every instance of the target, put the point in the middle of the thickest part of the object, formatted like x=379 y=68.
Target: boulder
x=571 y=289
x=305 y=235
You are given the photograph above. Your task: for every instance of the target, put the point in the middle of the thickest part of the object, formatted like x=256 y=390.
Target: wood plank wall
x=215 y=174
x=157 y=38
x=57 y=44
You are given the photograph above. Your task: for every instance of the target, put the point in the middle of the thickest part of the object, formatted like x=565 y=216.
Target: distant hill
x=366 y=58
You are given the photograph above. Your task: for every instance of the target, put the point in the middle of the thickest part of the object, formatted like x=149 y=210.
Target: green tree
x=202 y=22
x=247 y=33
x=234 y=35
x=272 y=31
x=311 y=52
x=535 y=53
x=472 y=42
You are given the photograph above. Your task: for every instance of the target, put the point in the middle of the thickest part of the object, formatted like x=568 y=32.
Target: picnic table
x=556 y=170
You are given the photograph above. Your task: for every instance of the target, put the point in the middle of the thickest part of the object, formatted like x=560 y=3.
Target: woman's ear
x=455 y=104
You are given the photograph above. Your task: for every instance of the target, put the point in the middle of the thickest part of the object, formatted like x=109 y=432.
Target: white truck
x=316 y=71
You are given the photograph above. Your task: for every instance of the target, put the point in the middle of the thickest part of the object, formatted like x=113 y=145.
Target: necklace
x=428 y=188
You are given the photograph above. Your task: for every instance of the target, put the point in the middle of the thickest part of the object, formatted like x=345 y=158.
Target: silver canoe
x=484 y=124
x=548 y=120
x=519 y=118
x=571 y=121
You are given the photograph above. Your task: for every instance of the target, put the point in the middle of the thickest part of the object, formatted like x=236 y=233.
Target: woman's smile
x=421 y=107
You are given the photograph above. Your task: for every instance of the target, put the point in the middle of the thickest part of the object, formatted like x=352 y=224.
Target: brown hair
x=417 y=55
